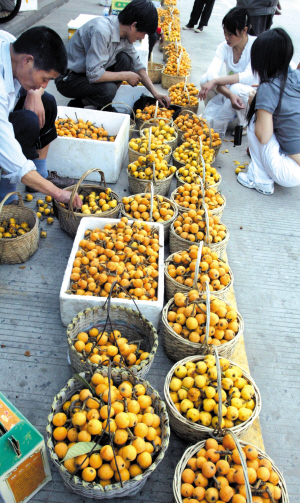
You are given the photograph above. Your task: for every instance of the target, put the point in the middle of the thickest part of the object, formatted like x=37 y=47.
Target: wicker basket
x=154 y=71
x=172 y=287
x=166 y=225
x=178 y=243
x=168 y=80
x=180 y=182
x=177 y=347
x=69 y=219
x=134 y=155
x=192 y=451
x=133 y=126
x=192 y=432
x=94 y=490
x=161 y=187
x=154 y=122
x=19 y=249
x=130 y=323
x=190 y=113
x=216 y=212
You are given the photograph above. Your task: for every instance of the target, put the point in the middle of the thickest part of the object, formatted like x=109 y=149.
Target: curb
x=25 y=20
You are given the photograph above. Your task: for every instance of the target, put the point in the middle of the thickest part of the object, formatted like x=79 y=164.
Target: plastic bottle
x=106 y=11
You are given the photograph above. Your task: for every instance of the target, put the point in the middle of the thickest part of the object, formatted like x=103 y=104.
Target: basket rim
x=116 y=486
x=178 y=76
x=190 y=451
x=94 y=366
x=35 y=226
x=82 y=215
x=199 y=427
x=147 y=181
x=214 y=211
x=170 y=221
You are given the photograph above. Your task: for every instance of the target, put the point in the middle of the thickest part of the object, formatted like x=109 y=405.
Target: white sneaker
x=187 y=27
x=266 y=190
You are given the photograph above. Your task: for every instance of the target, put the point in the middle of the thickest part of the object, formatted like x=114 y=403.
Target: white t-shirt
x=224 y=54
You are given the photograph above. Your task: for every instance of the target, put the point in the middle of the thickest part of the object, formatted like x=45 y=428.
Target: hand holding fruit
x=163 y=99
x=64 y=197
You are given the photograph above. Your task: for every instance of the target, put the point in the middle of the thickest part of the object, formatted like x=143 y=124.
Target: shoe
x=266 y=190
x=59 y=181
x=77 y=103
x=187 y=27
x=243 y=133
x=199 y=29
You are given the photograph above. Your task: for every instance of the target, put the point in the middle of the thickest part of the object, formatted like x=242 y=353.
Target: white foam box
x=80 y=20
x=73 y=156
x=129 y=95
x=71 y=305
x=27 y=5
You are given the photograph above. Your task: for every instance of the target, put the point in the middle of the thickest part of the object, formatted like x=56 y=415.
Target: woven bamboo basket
x=172 y=287
x=178 y=243
x=180 y=182
x=132 y=126
x=168 y=80
x=166 y=225
x=192 y=451
x=177 y=347
x=216 y=211
x=161 y=187
x=154 y=122
x=192 y=432
x=134 y=155
x=18 y=250
x=92 y=489
x=132 y=324
x=154 y=71
x=69 y=219
x=190 y=113
x=217 y=150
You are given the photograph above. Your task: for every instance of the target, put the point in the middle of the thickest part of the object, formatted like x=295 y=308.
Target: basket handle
x=119 y=103
x=20 y=201
x=197 y=265
x=219 y=386
x=202 y=120
x=206 y=225
x=244 y=465
x=75 y=189
x=151 y=199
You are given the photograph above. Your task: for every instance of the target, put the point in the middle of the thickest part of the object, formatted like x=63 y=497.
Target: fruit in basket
x=197 y=395
x=162 y=131
x=96 y=202
x=187 y=317
x=184 y=95
x=194 y=126
x=189 y=153
x=141 y=145
x=130 y=449
x=101 y=348
x=227 y=483
x=192 y=226
x=181 y=268
x=190 y=173
x=149 y=111
x=143 y=167
x=173 y=67
x=139 y=207
x=10 y=229
x=70 y=128
x=127 y=253
x=190 y=196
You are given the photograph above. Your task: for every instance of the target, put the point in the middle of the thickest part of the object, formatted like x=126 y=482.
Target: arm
x=264 y=126
x=148 y=84
x=37 y=182
x=33 y=102
x=236 y=101
x=131 y=77
x=218 y=81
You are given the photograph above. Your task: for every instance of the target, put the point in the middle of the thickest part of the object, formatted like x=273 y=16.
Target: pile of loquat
x=189 y=153
x=192 y=227
x=68 y=128
x=149 y=111
x=139 y=207
x=140 y=145
x=190 y=196
x=182 y=95
x=143 y=167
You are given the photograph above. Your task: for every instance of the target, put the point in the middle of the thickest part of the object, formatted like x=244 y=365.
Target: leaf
x=81 y=448
x=77 y=377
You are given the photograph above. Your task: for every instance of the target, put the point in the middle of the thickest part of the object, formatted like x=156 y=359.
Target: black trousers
x=201 y=12
x=76 y=85
x=152 y=41
x=259 y=24
x=27 y=129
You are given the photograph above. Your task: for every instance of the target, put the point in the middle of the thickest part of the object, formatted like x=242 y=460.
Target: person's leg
x=206 y=13
x=260 y=24
x=196 y=13
x=280 y=167
x=152 y=41
x=256 y=174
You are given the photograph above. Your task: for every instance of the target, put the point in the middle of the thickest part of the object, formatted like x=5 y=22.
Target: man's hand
x=133 y=79
x=236 y=102
x=163 y=99
x=278 y=9
x=208 y=86
x=33 y=102
x=64 y=197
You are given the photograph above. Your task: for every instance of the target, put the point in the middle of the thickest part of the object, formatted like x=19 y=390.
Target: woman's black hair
x=271 y=54
x=141 y=12
x=236 y=20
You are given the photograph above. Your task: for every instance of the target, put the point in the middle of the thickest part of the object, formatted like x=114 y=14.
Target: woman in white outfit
x=231 y=92
x=274 y=116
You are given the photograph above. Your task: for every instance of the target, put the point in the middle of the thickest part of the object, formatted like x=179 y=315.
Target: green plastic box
x=24 y=467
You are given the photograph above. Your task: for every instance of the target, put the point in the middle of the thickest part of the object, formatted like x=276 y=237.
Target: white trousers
x=219 y=112
x=268 y=165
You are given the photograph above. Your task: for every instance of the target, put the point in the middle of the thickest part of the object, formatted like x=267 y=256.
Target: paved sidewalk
x=263 y=252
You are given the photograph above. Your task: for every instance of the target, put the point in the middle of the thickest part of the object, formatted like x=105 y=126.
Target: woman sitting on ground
x=229 y=95
x=274 y=116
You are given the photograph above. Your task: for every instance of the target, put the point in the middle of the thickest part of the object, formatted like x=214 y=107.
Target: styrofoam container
x=129 y=95
x=73 y=156
x=71 y=305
